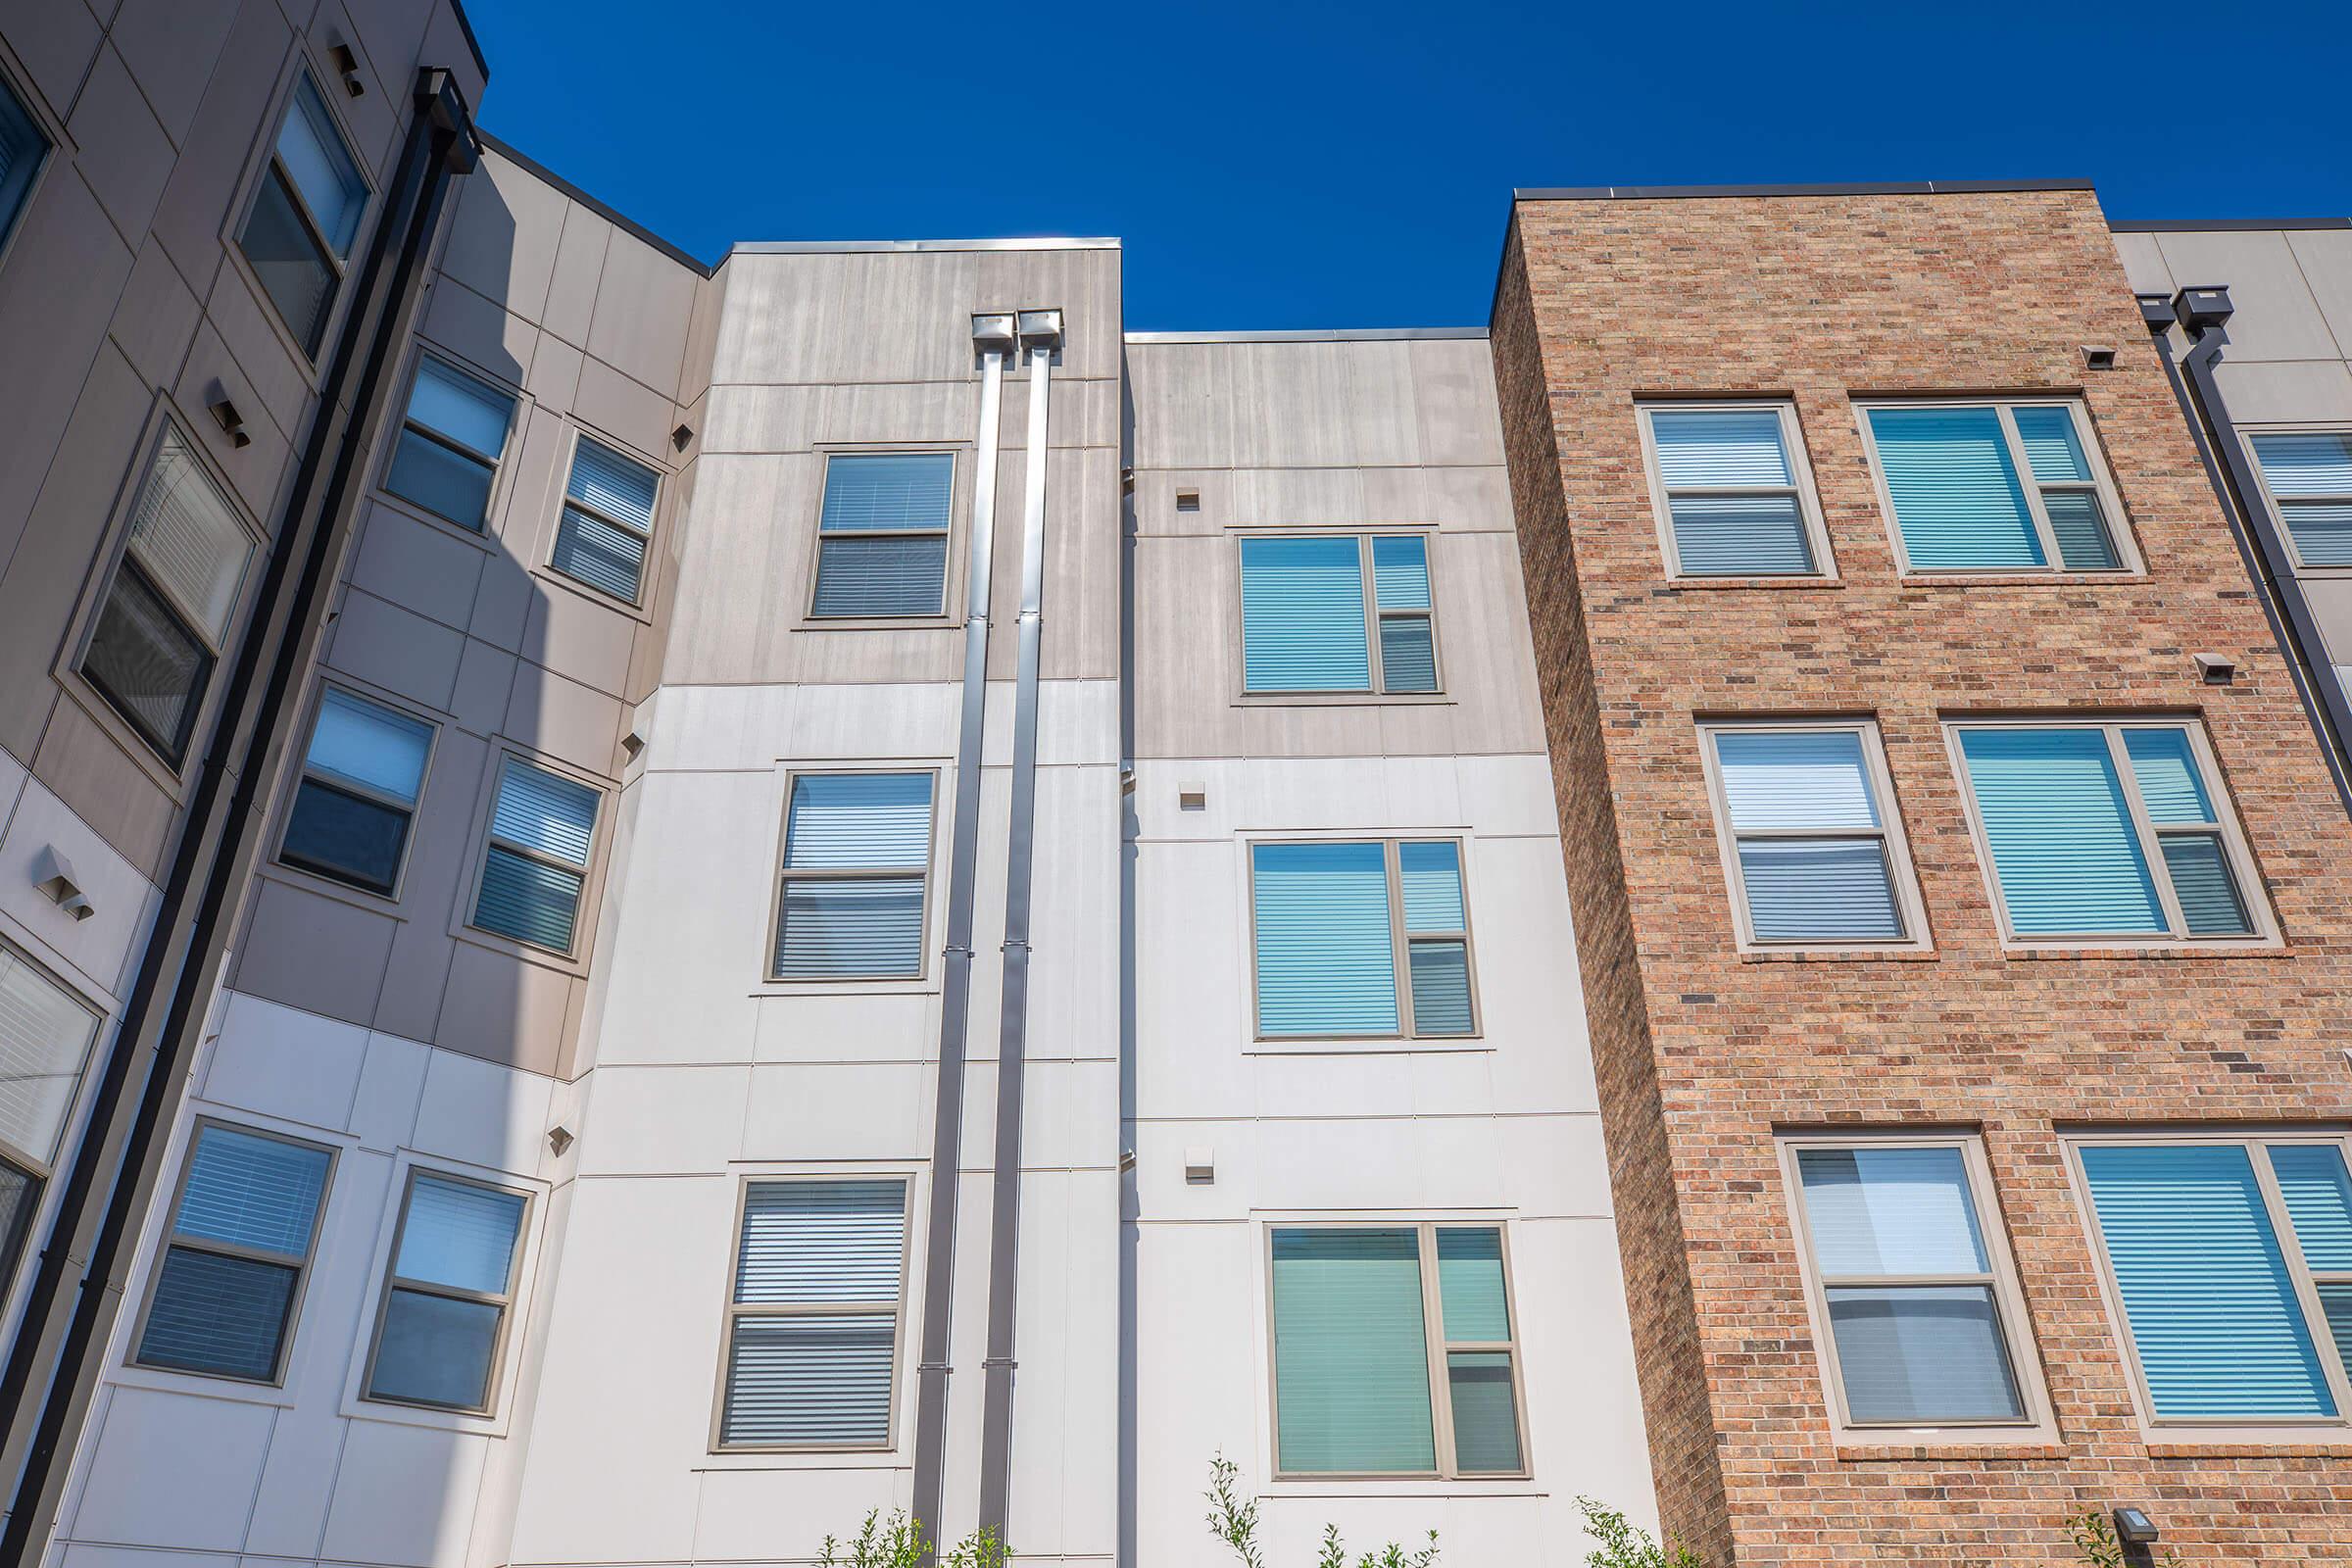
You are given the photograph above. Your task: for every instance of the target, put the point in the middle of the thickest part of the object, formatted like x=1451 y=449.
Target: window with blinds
x=2230 y=1263
x=1732 y=494
x=442 y=1320
x=2108 y=830
x=812 y=1316
x=22 y=149
x=2308 y=475
x=358 y=792
x=223 y=1296
x=857 y=866
x=1368 y=1320
x=882 y=535
x=1923 y=1316
x=1361 y=940
x=47 y=1033
x=608 y=522
x=1813 y=850
x=535 y=864
x=305 y=215
x=451 y=437
x=165 y=621
x=1338 y=612
x=1996 y=487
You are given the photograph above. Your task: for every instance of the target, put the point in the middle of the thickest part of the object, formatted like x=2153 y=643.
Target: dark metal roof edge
x=1915 y=187
x=481 y=61
x=2191 y=226
x=532 y=166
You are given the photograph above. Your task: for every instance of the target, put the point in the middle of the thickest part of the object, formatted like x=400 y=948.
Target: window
x=2309 y=475
x=607 y=521
x=360 y=782
x=536 y=865
x=812 y=1321
x=450 y=444
x=882 y=537
x=1369 y=1319
x=1924 y=1326
x=452 y=1280
x=1362 y=939
x=22 y=149
x=305 y=217
x=856 y=858
x=1733 y=500
x=1995 y=487
x=45 y=1039
x=1321 y=612
x=1814 y=853
x=2099 y=830
x=243 y=1229
x=2230 y=1263
x=164 y=622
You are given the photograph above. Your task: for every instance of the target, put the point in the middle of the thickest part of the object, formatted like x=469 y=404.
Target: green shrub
x=1235 y=1523
x=898 y=1542
x=1626 y=1544
x=2096 y=1543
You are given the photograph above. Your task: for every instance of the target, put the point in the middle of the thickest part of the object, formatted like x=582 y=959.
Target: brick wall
x=1702 y=1052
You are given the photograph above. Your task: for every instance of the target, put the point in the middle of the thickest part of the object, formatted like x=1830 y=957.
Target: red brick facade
x=1704 y=1053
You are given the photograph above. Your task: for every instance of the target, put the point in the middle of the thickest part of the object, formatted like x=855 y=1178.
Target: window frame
x=2277 y=508
x=2038 y=1418
x=1400 y=941
x=563 y=499
x=398 y=428
x=494 y=1385
x=42 y=1170
x=302 y=775
x=1910 y=902
x=266 y=169
x=952 y=590
x=2130 y=563
x=52 y=134
x=1376 y=671
x=780 y=876
x=168 y=770
x=1800 y=466
x=2256 y=1141
x=1435 y=1344
x=469 y=889
x=303 y=1267
x=2252 y=891
x=730 y=1309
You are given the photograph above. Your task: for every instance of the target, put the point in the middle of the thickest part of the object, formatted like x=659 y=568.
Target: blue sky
x=1274 y=165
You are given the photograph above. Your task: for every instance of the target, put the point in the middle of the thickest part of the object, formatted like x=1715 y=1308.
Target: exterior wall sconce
x=2215 y=669
x=347 y=66
x=54 y=875
x=225 y=413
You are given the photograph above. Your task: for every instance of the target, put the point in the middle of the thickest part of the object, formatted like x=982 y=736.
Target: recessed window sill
x=1837 y=955
x=2019 y=579
x=1675 y=584
x=2149 y=949
x=1944 y=1446
x=938 y=622
x=480 y=538
x=1354 y=1487
x=1343 y=1045
x=1343 y=699
x=2337 y=1444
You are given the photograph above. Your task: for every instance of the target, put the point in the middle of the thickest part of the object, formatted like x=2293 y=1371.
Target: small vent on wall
x=1191 y=797
x=2097 y=357
x=1188 y=501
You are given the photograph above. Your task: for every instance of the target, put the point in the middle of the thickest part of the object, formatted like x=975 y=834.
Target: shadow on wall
x=405 y=988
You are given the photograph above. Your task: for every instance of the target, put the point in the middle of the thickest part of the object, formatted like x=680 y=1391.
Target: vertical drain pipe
x=993 y=337
x=1041 y=334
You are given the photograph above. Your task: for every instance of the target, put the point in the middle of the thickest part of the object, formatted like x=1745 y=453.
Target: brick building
x=1776 y=1032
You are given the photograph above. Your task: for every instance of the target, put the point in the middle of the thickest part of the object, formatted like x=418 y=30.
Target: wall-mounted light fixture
x=225 y=413
x=347 y=66
x=54 y=875
x=2097 y=357
x=2216 y=669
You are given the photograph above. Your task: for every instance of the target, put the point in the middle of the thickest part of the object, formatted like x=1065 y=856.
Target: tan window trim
x=1438 y=1347
x=1800 y=468
x=1400 y=942
x=2264 y=1431
x=494 y=1385
x=1910 y=905
x=2239 y=855
x=2279 y=509
x=951 y=591
x=2038 y=1422
x=785 y=876
x=1376 y=673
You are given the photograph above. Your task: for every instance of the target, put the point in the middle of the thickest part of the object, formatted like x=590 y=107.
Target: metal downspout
x=2200 y=312
x=993 y=336
x=1041 y=334
x=53 y=1367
